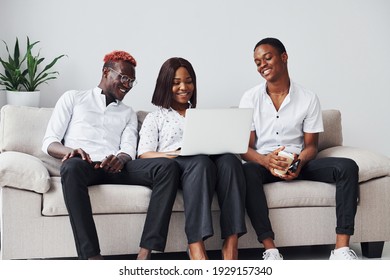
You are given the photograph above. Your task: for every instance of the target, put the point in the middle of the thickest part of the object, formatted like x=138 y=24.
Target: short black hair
x=162 y=95
x=276 y=43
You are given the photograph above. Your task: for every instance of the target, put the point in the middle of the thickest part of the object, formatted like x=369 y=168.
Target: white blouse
x=162 y=131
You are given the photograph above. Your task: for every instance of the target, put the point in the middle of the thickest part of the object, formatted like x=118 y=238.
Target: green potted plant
x=22 y=74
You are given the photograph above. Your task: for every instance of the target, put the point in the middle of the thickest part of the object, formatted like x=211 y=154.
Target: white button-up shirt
x=162 y=131
x=81 y=119
x=300 y=112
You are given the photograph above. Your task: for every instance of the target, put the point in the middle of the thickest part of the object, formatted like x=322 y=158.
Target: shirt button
x=277 y=132
x=277 y=117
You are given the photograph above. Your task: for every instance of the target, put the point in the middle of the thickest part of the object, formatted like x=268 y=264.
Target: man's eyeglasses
x=125 y=79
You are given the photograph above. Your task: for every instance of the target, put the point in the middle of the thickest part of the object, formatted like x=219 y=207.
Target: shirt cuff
x=131 y=153
x=46 y=144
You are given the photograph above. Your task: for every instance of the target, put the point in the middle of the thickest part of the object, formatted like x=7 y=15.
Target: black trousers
x=201 y=177
x=341 y=171
x=160 y=174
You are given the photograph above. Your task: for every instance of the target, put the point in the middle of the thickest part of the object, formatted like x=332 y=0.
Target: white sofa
x=34 y=221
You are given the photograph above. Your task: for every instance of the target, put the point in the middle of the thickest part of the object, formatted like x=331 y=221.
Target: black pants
x=201 y=177
x=341 y=171
x=160 y=174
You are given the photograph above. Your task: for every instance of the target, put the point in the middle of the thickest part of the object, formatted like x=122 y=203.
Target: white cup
x=289 y=157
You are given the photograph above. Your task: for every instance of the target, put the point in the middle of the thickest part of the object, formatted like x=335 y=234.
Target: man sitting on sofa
x=95 y=135
x=288 y=117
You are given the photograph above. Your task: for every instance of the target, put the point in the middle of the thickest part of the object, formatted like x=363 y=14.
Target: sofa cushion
x=332 y=135
x=121 y=199
x=108 y=199
x=371 y=165
x=300 y=193
x=22 y=130
x=141 y=115
x=104 y=199
x=22 y=171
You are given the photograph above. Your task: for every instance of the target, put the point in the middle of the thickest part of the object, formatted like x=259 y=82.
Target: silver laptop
x=216 y=131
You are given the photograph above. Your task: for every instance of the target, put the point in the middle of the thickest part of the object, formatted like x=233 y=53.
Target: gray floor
x=323 y=252
x=289 y=253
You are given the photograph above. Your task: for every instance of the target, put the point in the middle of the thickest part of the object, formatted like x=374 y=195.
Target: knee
x=352 y=165
x=348 y=166
x=72 y=166
x=74 y=176
x=168 y=166
x=230 y=160
x=202 y=163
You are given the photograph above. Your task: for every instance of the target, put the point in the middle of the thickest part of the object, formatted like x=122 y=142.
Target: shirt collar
x=265 y=96
x=263 y=88
x=98 y=91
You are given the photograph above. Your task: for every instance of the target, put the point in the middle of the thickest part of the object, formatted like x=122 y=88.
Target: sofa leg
x=372 y=249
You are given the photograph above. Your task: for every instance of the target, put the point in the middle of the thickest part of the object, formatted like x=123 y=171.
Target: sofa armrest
x=371 y=165
x=23 y=171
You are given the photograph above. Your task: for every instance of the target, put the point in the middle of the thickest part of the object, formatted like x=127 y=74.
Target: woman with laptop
x=201 y=175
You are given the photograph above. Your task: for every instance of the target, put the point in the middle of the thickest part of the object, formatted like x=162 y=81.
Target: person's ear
x=284 y=57
x=105 y=71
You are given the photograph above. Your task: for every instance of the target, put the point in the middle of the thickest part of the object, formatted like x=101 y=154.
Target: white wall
x=339 y=49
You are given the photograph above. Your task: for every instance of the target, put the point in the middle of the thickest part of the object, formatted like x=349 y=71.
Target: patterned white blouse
x=161 y=131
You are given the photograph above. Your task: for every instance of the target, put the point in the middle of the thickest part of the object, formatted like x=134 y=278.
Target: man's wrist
x=123 y=158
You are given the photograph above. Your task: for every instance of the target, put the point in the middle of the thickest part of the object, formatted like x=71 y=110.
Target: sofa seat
x=125 y=199
x=108 y=199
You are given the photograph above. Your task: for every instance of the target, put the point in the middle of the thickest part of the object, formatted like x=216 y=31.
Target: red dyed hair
x=119 y=55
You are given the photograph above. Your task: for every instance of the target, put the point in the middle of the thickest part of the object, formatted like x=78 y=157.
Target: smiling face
x=111 y=83
x=182 y=88
x=271 y=64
